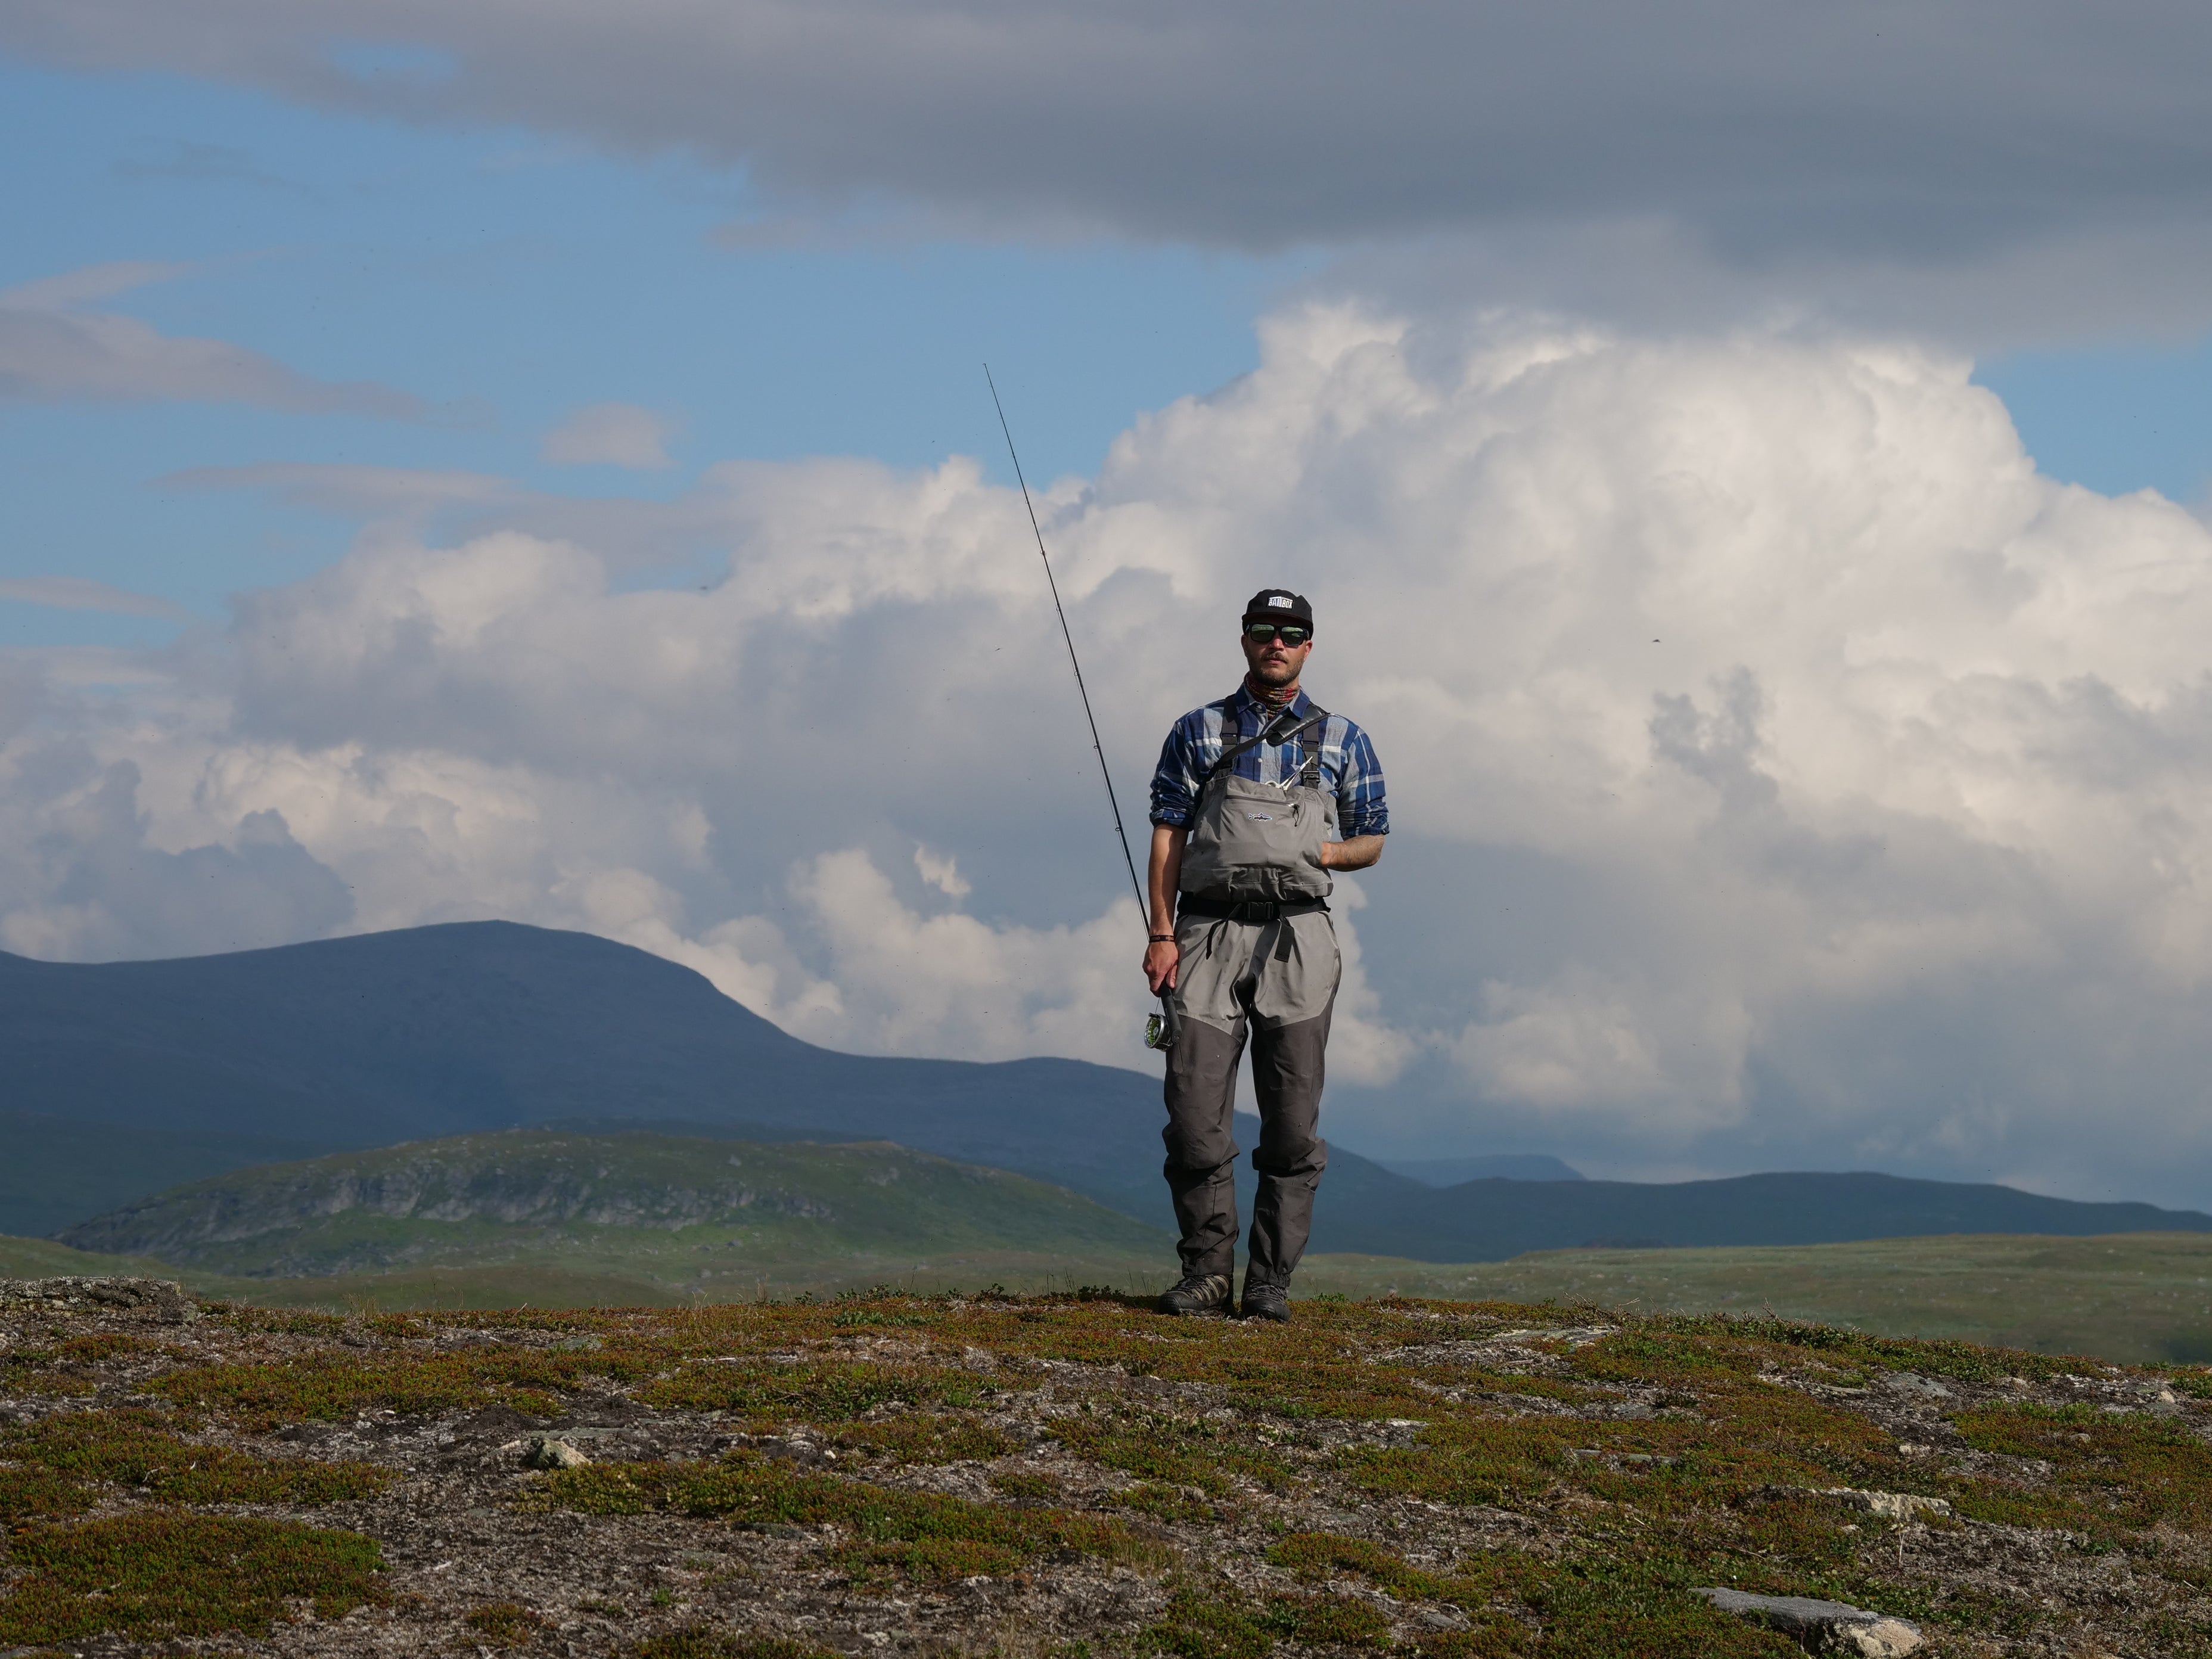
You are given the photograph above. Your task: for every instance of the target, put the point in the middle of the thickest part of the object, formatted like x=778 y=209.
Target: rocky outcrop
x=161 y=1300
x=1828 y=1627
x=532 y=1179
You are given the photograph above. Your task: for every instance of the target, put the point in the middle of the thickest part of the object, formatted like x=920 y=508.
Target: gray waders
x=1257 y=958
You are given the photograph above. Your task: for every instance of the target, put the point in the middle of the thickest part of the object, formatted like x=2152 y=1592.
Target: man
x=1257 y=797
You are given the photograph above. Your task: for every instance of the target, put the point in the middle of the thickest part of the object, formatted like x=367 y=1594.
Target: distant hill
x=665 y=1207
x=432 y=1031
x=1500 y=1166
x=1495 y=1219
x=121 y=1077
x=55 y=1170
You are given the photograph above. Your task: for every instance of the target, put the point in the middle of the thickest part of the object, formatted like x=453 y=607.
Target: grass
x=67 y=1367
x=329 y=1388
x=2109 y=1473
x=2132 y=1298
x=1173 y=1451
x=1212 y=1622
x=2137 y=1299
x=699 y=1642
x=811 y=1392
x=505 y=1624
x=140 y=1448
x=928 y=1536
x=42 y=1258
x=164 y=1574
x=923 y=1440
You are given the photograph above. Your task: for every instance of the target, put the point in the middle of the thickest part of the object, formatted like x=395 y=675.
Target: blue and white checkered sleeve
x=1175 y=781
x=1362 y=809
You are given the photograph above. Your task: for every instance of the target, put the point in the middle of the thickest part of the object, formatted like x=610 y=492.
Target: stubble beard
x=1273 y=680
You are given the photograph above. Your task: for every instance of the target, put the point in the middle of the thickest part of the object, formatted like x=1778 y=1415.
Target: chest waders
x=1257 y=959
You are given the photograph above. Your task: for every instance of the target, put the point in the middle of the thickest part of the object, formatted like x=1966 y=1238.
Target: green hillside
x=41 y=1258
x=659 y=1217
x=2134 y=1297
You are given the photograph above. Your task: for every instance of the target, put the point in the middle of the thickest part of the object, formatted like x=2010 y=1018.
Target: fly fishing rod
x=1160 y=1028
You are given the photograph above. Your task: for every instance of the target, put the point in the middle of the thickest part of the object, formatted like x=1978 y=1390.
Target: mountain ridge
x=469 y=1027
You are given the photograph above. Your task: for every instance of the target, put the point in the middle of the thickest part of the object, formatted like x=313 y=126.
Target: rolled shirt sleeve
x=1176 y=780
x=1362 y=808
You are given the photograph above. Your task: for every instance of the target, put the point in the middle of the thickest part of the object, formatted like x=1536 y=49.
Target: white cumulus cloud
x=1782 y=772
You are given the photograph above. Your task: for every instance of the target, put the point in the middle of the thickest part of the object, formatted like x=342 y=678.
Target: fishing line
x=1160 y=1028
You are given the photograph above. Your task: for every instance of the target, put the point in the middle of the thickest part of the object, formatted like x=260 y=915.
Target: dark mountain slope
x=55 y=1170
x=433 y=1032
x=430 y=1032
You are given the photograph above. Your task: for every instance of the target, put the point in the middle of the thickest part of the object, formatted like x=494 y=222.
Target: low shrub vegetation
x=1458 y=1480
x=922 y=1535
x=164 y=1574
x=140 y=1448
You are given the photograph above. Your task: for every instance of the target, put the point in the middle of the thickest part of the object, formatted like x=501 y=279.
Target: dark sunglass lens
x=1292 y=635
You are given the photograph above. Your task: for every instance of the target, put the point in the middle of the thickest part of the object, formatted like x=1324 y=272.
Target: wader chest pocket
x=1259 y=841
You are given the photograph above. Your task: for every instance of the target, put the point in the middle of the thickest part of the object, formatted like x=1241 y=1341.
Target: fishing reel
x=1162 y=1029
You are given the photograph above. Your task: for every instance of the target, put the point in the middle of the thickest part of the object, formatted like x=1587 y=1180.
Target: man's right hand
x=1161 y=957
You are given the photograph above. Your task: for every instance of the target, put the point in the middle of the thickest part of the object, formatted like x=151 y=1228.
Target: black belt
x=1189 y=904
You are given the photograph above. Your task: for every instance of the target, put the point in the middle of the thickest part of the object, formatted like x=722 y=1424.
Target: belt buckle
x=1254 y=910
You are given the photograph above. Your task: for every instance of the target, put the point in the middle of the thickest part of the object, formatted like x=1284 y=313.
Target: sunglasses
x=1260 y=633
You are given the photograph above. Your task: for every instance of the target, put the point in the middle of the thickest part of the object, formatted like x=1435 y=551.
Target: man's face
x=1271 y=662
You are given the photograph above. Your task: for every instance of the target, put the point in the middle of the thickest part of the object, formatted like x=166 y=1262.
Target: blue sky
x=507 y=278
x=2123 y=417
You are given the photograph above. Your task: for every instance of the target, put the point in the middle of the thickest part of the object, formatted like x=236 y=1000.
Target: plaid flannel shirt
x=1349 y=770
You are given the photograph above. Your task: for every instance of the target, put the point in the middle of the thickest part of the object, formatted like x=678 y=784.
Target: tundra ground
x=1074 y=1477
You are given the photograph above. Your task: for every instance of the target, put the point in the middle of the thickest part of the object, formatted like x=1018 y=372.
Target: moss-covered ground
x=1075 y=1477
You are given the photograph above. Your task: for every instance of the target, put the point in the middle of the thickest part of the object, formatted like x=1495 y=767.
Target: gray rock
x=1912 y=1382
x=1889 y=1506
x=546 y=1451
x=163 y=1299
x=1833 y=1627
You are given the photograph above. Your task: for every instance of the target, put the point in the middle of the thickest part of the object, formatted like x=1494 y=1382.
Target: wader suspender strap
x=1309 y=778
x=1309 y=774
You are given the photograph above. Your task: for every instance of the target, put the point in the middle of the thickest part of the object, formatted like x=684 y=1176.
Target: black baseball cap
x=1278 y=605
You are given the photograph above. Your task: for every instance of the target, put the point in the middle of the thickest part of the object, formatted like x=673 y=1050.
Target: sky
x=1750 y=465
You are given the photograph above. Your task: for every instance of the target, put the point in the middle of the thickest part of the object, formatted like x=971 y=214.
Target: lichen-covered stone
x=1833 y=1627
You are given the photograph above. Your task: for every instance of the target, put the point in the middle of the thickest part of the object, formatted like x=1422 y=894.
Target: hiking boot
x=1265 y=1301
x=1198 y=1293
